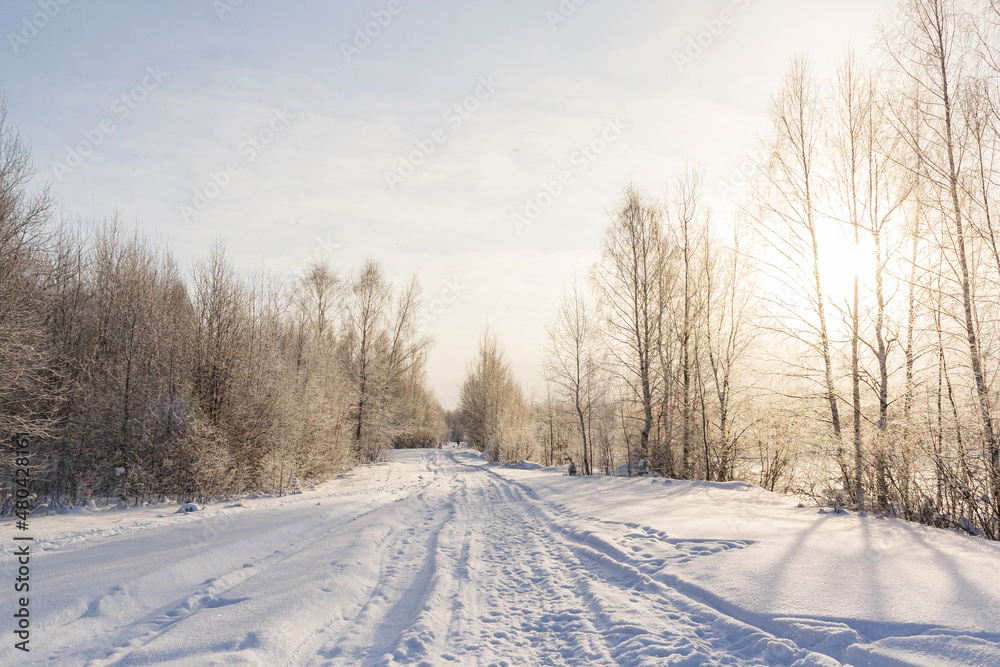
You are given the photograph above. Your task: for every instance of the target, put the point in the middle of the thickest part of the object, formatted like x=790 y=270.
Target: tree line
x=137 y=381
x=837 y=336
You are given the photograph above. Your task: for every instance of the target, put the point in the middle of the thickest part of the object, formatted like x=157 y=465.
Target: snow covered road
x=434 y=559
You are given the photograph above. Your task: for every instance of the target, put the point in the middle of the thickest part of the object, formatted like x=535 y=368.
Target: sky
x=476 y=145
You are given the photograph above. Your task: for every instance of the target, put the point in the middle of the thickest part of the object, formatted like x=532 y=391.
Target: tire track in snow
x=535 y=603
x=648 y=551
x=406 y=574
x=498 y=577
x=439 y=613
x=449 y=604
x=408 y=616
x=376 y=603
x=645 y=621
x=117 y=643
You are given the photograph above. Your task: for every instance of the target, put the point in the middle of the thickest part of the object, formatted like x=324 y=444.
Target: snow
x=439 y=558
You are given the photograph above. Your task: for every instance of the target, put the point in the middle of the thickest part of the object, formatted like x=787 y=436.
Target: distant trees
x=643 y=378
x=494 y=413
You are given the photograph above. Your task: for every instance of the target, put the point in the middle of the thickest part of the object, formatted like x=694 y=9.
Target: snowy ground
x=439 y=559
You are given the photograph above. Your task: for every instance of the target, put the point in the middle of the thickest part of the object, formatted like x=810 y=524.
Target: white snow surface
x=437 y=558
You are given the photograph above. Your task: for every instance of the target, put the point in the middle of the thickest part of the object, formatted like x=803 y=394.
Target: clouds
x=322 y=180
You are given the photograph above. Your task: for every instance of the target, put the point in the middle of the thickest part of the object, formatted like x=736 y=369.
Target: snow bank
x=824 y=577
x=523 y=465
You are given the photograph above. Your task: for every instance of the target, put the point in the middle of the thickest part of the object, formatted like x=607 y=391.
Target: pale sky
x=298 y=133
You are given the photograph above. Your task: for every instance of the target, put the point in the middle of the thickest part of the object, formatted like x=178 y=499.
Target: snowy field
x=437 y=559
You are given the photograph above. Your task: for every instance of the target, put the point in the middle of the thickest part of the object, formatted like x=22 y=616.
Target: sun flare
x=841 y=259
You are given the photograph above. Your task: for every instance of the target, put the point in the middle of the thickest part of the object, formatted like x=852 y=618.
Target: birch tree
x=572 y=365
x=931 y=49
x=627 y=281
x=785 y=209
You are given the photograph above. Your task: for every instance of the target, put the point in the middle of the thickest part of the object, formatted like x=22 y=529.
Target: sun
x=841 y=259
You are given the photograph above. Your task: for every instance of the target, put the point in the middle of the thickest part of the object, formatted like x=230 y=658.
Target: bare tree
x=729 y=330
x=851 y=103
x=571 y=364
x=689 y=229
x=785 y=210
x=24 y=360
x=367 y=311
x=628 y=280
x=931 y=49
x=492 y=406
x=869 y=192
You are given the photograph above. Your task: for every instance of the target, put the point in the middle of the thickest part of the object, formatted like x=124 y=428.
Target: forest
x=836 y=336
x=137 y=381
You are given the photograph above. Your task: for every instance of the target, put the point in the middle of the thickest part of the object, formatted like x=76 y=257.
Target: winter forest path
x=443 y=562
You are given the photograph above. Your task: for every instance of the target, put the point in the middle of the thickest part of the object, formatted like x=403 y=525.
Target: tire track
x=643 y=620
x=119 y=643
x=392 y=593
